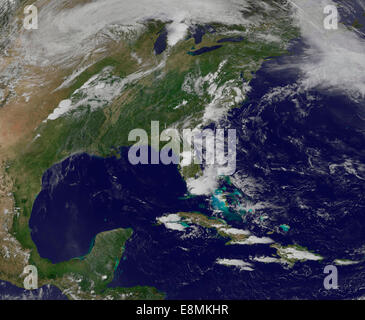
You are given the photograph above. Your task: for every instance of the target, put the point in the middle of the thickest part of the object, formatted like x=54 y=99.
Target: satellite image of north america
x=182 y=149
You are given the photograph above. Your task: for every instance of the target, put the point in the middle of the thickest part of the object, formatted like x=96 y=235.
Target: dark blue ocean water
x=286 y=147
x=85 y=195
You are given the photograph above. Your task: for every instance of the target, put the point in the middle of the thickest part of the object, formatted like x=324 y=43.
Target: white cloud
x=253 y=240
x=298 y=254
x=66 y=31
x=240 y=264
x=336 y=58
x=205 y=184
x=264 y=259
x=172 y=222
x=176 y=32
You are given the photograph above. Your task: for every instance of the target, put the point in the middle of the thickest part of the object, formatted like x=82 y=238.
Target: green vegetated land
x=87 y=277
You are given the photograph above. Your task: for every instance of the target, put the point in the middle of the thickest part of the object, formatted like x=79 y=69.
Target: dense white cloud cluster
x=66 y=30
x=335 y=58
